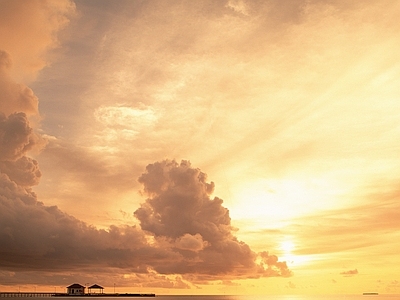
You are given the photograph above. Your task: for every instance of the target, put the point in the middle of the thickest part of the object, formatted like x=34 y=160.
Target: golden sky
x=200 y=147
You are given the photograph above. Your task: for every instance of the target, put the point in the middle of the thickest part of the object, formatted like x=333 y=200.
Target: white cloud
x=123 y=122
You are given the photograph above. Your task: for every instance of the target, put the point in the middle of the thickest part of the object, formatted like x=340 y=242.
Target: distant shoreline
x=107 y=295
x=370 y=294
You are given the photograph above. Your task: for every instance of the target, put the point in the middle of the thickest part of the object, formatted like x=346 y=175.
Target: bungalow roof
x=75 y=286
x=95 y=286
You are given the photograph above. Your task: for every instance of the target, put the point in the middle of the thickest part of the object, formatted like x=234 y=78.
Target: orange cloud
x=349 y=273
x=14 y=97
x=191 y=233
x=179 y=206
x=28 y=30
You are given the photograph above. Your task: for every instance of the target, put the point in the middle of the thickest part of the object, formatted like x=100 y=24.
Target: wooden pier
x=25 y=294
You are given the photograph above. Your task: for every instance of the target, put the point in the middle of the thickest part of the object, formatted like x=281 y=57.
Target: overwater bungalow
x=97 y=289
x=75 y=289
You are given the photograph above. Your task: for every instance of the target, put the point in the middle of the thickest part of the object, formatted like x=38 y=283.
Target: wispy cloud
x=349 y=272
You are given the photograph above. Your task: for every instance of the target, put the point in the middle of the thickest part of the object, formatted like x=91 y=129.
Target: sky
x=200 y=147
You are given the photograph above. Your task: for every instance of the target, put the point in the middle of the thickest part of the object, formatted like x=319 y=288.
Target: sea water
x=284 y=297
x=225 y=297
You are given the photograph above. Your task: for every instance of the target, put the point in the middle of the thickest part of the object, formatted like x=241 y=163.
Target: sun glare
x=287 y=247
x=287 y=253
x=279 y=200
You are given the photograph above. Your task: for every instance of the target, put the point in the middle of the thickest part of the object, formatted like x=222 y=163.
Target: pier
x=74 y=290
x=25 y=294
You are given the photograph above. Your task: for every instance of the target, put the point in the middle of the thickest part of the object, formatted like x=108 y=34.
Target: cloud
x=230 y=283
x=16 y=136
x=290 y=285
x=122 y=123
x=273 y=265
x=161 y=281
x=121 y=116
x=33 y=236
x=180 y=208
x=374 y=221
x=24 y=171
x=186 y=231
x=191 y=242
x=14 y=97
x=28 y=30
x=393 y=286
x=38 y=237
x=95 y=172
x=349 y=273
x=183 y=231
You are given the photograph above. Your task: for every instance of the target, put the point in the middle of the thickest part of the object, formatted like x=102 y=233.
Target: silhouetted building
x=97 y=289
x=75 y=289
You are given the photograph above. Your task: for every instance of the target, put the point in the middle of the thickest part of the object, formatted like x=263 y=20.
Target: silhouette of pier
x=25 y=294
x=74 y=290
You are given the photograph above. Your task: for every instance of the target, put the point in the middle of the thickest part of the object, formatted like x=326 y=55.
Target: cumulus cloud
x=14 y=97
x=38 y=237
x=16 y=136
x=183 y=233
x=24 y=171
x=273 y=265
x=191 y=242
x=28 y=31
x=180 y=210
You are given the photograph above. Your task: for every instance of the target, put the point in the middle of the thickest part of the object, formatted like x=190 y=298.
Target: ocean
x=224 y=297
x=284 y=297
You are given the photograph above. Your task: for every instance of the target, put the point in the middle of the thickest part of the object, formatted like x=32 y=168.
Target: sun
x=287 y=247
